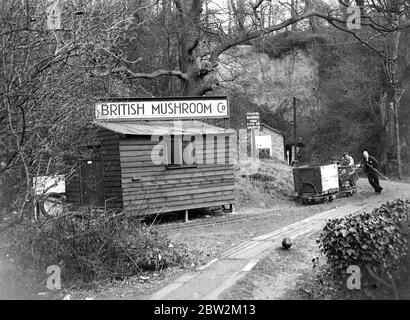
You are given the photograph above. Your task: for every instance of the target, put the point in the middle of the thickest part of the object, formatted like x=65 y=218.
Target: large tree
x=202 y=36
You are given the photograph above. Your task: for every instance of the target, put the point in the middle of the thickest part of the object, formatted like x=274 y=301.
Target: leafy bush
x=376 y=242
x=94 y=248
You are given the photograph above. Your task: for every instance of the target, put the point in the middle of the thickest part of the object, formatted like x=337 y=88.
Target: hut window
x=181 y=152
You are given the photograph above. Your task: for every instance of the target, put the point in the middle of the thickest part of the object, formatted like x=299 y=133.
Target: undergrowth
x=93 y=248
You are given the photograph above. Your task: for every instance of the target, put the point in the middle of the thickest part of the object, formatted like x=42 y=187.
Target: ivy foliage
x=376 y=242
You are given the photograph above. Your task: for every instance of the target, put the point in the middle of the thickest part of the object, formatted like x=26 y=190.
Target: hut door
x=92 y=187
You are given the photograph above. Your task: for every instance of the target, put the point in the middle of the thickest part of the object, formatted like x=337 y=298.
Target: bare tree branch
x=132 y=74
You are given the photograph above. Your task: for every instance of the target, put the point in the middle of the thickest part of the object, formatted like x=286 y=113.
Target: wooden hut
x=157 y=166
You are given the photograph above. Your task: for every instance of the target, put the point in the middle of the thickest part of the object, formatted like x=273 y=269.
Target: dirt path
x=290 y=274
x=212 y=280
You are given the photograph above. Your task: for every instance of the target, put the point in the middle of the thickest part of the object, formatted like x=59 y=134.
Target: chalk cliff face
x=271 y=81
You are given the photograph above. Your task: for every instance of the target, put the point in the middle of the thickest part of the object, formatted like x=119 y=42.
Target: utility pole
x=294 y=129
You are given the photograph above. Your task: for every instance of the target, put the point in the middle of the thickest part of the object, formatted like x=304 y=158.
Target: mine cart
x=315 y=184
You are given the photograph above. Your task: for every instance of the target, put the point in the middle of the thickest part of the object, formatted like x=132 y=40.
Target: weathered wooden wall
x=73 y=190
x=112 y=169
x=109 y=152
x=150 y=188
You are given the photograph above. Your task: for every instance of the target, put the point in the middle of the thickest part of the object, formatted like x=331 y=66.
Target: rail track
x=233 y=218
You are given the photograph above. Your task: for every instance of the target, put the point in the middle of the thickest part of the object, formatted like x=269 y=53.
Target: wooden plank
x=108 y=148
x=134 y=148
x=161 y=170
x=178 y=202
x=112 y=164
x=179 y=198
x=166 y=175
x=173 y=187
x=108 y=135
x=140 y=164
x=112 y=171
x=151 y=211
x=144 y=182
x=113 y=183
x=109 y=139
x=182 y=177
x=173 y=184
x=143 y=170
x=141 y=158
x=204 y=149
x=112 y=158
x=148 y=157
x=172 y=195
x=143 y=210
x=137 y=138
x=214 y=152
x=129 y=192
x=135 y=153
x=214 y=166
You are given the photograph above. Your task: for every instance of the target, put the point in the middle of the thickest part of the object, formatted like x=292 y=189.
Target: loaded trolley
x=315 y=184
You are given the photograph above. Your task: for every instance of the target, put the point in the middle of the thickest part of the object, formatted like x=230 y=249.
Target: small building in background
x=272 y=140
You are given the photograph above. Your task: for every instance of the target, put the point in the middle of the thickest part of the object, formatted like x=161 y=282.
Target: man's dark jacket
x=370 y=164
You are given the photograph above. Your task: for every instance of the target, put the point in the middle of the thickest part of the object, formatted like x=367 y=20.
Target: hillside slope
x=272 y=182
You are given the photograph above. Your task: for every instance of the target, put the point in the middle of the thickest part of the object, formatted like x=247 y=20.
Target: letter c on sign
x=221 y=107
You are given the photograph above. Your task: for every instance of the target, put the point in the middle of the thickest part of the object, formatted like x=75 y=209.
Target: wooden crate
x=316 y=180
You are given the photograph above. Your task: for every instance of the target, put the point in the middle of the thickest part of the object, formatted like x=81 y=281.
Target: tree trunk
x=392 y=47
x=312 y=20
x=293 y=13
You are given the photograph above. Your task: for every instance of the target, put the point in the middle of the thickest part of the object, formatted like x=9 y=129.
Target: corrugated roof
x=272 y=129
x=163 y=128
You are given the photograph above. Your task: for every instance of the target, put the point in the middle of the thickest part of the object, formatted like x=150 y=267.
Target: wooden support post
x=186 y=216
x=227 y=123
x=36 y=210
x=294 y=131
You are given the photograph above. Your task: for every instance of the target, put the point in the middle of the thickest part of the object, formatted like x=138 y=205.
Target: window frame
x=170 y=156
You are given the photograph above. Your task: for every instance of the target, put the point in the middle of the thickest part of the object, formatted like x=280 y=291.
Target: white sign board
x=48 y=184
x=252 y=120
x=161 y=109
x=263 y=142
x=330 y=177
